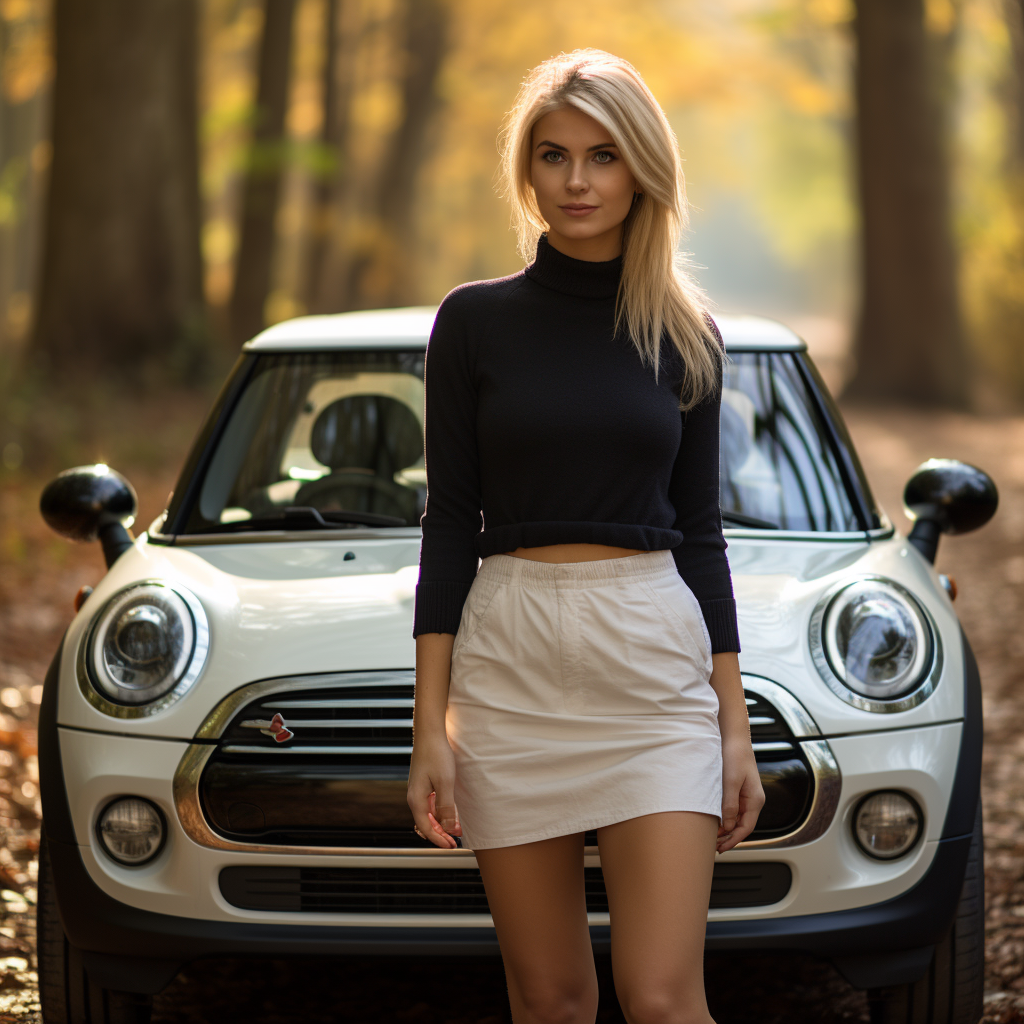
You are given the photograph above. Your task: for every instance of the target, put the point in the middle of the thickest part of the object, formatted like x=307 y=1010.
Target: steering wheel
x=313 y=491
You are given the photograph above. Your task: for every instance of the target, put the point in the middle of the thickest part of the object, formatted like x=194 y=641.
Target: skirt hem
x=597 y=821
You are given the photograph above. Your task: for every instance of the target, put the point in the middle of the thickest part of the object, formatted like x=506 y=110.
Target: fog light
x=131 y=830
x=887 y=824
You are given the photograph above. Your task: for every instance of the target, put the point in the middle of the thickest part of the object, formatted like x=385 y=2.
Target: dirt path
x=40 y=573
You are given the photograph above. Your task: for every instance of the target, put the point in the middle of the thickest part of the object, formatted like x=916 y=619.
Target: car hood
x=299 y=607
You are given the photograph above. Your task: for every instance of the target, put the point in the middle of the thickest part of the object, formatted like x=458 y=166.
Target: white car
x=226 y=725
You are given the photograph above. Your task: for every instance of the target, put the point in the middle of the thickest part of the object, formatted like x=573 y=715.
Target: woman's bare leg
x=657 y=871
x=536 y=897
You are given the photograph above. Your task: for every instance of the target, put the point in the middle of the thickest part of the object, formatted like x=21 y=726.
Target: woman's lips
x=578 y=209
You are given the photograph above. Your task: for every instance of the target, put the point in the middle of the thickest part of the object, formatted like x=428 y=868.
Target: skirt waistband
x=647 y=565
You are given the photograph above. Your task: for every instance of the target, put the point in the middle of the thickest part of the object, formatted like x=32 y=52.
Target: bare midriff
x=573 y=552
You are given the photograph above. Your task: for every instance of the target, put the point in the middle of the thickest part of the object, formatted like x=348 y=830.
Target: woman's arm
x=695 y=490
x=448 y=562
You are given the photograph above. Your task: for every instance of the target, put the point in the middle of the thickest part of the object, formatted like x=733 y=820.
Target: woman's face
x=584 y=188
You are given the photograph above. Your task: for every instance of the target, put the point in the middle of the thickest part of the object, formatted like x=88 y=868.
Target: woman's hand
x=742 y=793
x=431 y=793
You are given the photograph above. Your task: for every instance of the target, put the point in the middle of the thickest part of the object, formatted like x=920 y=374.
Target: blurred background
x=176 y=175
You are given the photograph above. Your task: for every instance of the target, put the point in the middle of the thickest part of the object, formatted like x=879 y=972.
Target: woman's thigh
x=535 y=892
x=657 y=872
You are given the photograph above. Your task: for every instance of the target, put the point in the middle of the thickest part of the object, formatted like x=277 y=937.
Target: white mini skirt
x=580 y=696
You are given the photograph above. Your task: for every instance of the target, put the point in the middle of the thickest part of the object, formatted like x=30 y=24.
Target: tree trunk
x=1013 y=87
x=909 y=339
x=262 y=190
x=333 y=176
x=121 y=289
x=378 y=271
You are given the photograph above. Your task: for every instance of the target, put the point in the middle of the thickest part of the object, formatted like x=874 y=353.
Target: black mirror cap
x=83 y=502
x=956 y=496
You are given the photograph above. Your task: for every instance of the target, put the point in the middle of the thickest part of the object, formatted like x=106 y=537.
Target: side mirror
x=947 y=496
x=90 y=503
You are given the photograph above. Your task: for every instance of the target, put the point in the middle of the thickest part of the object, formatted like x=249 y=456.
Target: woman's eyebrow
x=555 y=145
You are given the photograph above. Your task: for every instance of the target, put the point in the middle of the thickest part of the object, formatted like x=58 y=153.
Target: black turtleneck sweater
x=545 y=423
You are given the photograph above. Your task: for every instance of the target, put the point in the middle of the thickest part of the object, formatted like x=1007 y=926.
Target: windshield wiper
x=302 y=517
x=742 y=520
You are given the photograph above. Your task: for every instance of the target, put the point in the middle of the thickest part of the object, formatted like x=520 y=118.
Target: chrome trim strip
x=338 y=750
x=354 y=702
x=824 y=803
x=196 y=664
x=217 y=721
x=332 y=723
x=761 y=720
x=930 y=677
x=774 y=745
x=824 y=768
x=794 y=714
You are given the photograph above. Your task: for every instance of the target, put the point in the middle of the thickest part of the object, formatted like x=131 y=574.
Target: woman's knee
x=657 y=1005
x=558 y=1001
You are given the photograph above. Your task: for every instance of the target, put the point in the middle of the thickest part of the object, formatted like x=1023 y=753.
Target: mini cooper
x=225 y=731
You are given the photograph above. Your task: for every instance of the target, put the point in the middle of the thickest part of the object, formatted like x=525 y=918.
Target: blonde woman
x=584 y=675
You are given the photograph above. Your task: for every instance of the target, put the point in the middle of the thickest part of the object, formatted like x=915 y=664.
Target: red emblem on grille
x=278 y=730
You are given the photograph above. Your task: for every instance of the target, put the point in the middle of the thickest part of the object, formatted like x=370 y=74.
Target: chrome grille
x=321 y=762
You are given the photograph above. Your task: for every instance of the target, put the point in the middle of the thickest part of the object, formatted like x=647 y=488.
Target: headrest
x=375 y=432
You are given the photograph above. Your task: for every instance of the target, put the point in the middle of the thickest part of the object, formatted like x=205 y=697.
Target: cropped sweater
x=543 y=426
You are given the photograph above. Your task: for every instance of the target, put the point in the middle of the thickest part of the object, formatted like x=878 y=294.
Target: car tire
x=952 y=990
x=66 y=994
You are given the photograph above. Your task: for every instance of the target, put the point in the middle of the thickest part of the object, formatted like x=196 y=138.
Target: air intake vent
x=449 y=890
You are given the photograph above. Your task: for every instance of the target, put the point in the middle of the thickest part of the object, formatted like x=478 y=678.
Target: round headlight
x=887 y=824
x=874 y=644
x=131 y=830
x=147 y=646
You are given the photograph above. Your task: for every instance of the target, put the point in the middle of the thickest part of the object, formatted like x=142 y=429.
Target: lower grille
x=450 y=890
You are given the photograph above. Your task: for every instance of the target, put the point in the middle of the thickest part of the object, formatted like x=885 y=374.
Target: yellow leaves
x=27 y=64
x=939 y=16
x=378 y=106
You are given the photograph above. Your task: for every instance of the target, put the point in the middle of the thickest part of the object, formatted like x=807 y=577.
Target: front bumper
x=877 y=922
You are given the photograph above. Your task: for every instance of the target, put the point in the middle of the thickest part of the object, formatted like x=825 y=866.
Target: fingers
x=740 y=810
x=428 y=826
x=445 y=811
x=739 y=831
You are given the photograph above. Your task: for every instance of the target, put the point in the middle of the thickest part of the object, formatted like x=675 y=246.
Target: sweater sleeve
x=452 y=515
x=694 y=491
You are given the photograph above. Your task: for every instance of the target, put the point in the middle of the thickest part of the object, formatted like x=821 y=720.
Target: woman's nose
x=577 y=181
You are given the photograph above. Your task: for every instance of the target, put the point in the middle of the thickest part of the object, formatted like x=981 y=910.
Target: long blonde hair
x=657 y=294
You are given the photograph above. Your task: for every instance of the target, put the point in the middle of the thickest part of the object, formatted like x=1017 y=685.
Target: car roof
x=409 y=327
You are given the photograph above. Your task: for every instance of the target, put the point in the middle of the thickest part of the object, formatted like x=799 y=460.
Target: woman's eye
x=604 y=153
x=551 y=152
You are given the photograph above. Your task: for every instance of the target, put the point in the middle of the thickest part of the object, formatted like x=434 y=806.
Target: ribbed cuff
x=439 y=606
x=720 y=618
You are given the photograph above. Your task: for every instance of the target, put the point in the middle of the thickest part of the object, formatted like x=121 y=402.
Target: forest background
x=178 y=174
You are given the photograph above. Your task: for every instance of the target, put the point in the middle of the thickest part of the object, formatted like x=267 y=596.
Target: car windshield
x=334 y=440
x=320 y=440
